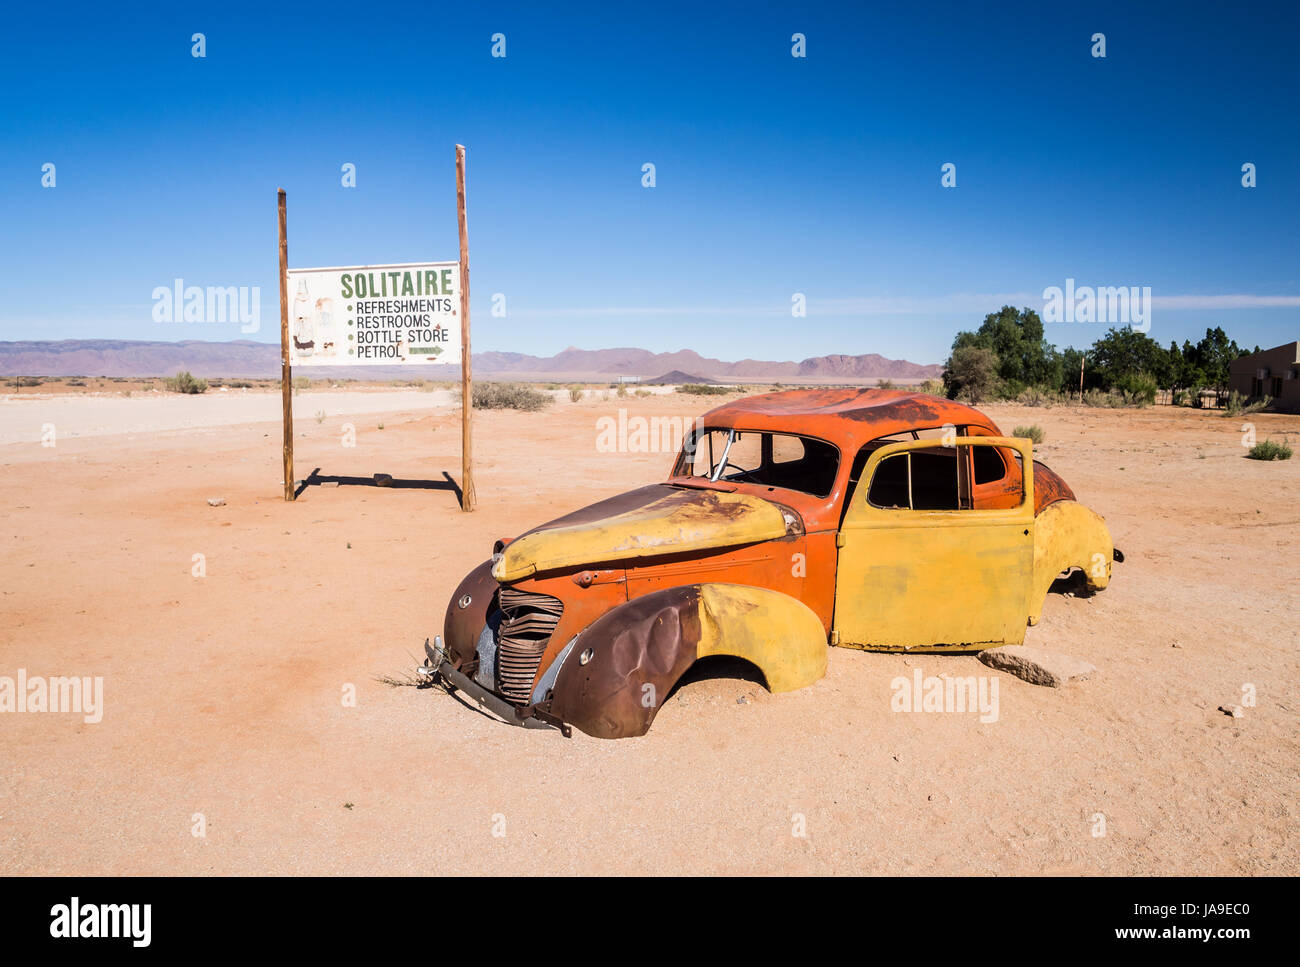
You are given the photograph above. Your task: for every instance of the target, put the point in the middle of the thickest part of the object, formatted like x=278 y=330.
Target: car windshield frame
x=715 y=478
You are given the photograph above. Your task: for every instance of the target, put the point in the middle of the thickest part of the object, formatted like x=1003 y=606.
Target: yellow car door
x=918 y=567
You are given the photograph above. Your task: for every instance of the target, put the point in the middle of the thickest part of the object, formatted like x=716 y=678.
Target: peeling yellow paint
x=779 y=634
x=686 y=520
x=1068 y=534
x=935 y=580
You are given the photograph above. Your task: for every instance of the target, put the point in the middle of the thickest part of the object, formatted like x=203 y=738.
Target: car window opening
x=933 y=478
x=778 y=460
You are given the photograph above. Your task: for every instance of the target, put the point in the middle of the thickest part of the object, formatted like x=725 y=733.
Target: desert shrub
x=1238 y=405
x=575 y=394
x=1137 y=389
x=886 y=384
x=1011 y=389
x=932 y=387
x=240 y=384
x=1034 y=433
x=76 y=382
x=1270 y=450
x=183 y=382
x=1037 y=396
x=301 y=382
x=643 y=393
x=622 y=391
x=509 y=396
x=698 y=389
x=1116 y=398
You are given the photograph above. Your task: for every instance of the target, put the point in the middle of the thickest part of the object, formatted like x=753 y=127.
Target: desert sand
x=224 y=695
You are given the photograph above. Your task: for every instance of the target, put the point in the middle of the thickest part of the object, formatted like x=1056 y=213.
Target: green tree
x=1016 y=338
x=1071 y=359
x=971 y=373
x=1123 y=355
x=1213 y=355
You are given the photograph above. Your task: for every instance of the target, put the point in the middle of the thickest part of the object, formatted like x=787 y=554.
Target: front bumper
x=436 y=668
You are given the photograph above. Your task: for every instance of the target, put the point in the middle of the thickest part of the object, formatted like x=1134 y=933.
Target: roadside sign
x=375 y=315
x=411 y=313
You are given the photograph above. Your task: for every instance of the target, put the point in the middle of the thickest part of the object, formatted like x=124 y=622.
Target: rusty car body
x=874 y=519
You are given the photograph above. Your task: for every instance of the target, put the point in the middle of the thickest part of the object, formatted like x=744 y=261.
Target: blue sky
x=774 y=174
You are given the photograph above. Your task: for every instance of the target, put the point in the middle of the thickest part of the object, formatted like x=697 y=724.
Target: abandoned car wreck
x=874 y=519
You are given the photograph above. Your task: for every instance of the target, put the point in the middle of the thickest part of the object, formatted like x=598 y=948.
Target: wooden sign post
x=286 y=376
x=417 y=337
x=468 y=497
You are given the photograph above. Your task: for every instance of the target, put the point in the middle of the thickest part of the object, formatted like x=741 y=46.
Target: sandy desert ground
x=223 y=694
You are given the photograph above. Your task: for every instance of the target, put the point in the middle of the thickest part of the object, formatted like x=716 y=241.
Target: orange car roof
x=848 y=418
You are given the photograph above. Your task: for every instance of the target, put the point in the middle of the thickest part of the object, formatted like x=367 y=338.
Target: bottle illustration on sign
x=325 y=326
x=304 y=337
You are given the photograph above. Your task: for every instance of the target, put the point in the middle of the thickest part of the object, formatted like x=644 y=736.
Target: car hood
x=641 y=523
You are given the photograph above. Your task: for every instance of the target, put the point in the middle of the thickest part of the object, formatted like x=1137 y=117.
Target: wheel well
x=714 y=667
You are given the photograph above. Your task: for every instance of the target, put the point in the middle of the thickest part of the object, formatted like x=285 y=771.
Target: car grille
x=527 y=621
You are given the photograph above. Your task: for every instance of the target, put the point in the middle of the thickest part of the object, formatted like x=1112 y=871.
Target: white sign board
x=375 y=315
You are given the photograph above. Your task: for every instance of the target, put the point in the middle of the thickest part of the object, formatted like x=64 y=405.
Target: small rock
x=216 y=501
x=383 y=480
x=1176 y=645
x=1036 y=666
x=742 y=700
x=1236 y=711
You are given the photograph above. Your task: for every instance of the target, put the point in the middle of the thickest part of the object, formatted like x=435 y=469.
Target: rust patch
x=651 y=640
x=609 y=507
x=1048 y=488
x=461 y=626
x=846 y=418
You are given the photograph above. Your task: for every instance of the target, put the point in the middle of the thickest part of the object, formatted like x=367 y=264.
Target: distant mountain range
x=120 y=357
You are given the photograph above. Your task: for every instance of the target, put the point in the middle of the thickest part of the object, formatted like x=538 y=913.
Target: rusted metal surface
x=1048 y=488
x=668 y=520
x=467 y=613
x=623 y=667
x=848 y=418
x=631 y=581
x=446 y=674
x=650 y=641
x=528 y=619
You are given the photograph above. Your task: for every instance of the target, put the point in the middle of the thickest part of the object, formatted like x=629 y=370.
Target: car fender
x=624 y=664
x=467 y=613
x=1066 y=535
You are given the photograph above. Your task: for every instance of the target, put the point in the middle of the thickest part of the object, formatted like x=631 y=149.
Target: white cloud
x=964 y=303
